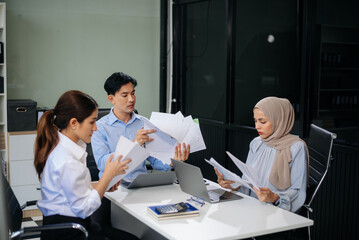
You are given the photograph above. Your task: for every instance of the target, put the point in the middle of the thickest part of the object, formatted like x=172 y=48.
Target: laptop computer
x=151 y=179
x=191 y=181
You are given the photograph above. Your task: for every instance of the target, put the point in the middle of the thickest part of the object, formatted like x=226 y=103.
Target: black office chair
x=91 y=163
x=13 y=214
x=320 y=143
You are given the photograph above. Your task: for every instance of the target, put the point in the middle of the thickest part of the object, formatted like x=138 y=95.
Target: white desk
x=237 y=219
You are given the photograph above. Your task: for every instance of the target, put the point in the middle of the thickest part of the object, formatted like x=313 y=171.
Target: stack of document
x=128 y=150
x=170 y=130
x=247 y=171
x=228 y=175
x=190 y=212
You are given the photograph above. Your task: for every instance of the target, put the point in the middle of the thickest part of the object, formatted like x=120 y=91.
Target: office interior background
x=212 y=59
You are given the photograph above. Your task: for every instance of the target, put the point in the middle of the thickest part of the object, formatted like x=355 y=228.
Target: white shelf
x=3 y=96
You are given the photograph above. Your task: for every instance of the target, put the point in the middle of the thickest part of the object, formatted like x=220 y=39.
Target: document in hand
x=162 y=142
x=247 y=171
x=170 y=130
x=228 y=175
x=128 y=149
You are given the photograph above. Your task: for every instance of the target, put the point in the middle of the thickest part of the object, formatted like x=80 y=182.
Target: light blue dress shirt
x=104 y=141
x=66 y=182
x=261 y=158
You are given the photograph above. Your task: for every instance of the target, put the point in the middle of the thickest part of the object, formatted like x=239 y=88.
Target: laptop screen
x=151 y=179
x=190 y=179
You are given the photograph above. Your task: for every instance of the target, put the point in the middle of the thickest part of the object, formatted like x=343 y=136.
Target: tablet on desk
x=151 y=179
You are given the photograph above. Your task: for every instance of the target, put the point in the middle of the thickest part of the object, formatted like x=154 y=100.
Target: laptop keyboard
x=214 y=196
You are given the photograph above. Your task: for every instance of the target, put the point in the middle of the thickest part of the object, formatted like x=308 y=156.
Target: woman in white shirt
x=67 y=194
x=279 y=158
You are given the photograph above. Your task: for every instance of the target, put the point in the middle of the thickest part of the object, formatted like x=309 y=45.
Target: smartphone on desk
x=172 y=208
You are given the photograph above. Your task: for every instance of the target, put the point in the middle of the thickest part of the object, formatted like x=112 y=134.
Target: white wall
x=54 y=46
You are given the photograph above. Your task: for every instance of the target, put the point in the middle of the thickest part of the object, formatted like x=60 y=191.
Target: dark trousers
x=68 y=234
x=102 y=218
x=98 y=226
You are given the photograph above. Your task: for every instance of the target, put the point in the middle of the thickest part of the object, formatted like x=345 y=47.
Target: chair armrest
x=308 y=208
x=28 y=203
x=50 y=227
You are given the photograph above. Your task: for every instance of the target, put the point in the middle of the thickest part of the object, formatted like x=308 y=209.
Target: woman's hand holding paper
x=225 y=183
x=266 y=195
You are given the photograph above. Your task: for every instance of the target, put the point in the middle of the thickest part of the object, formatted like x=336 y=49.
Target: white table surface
x=237 y=219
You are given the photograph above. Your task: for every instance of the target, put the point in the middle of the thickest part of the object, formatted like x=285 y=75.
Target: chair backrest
x=320 y=147
x=91 y=163
x=12 y=207
x=103 y=112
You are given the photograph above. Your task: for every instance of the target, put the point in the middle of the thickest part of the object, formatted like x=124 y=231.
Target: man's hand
x=182 y=153
x=142 y=137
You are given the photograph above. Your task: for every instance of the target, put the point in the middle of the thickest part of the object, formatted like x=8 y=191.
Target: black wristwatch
x=276 y=203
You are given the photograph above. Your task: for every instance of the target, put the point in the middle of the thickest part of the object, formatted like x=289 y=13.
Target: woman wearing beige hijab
x=279 y=158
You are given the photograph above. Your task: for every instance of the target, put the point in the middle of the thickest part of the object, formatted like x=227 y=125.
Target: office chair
x=320 y=143
x=10 y=204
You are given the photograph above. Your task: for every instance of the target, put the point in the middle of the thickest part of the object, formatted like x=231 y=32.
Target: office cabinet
x=22 y=174
x=338 y=76
x=3 y=95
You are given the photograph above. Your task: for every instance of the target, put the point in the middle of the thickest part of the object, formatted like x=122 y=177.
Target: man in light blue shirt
x=122 y=121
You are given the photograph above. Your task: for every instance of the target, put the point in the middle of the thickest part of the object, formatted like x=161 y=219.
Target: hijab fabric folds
x=281 y=114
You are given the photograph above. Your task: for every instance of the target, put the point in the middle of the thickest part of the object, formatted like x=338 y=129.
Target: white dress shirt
x=66 y=183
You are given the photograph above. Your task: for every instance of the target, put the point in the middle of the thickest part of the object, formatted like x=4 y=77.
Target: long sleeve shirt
x=66 y=182
x=261 y=158
x=104 y=142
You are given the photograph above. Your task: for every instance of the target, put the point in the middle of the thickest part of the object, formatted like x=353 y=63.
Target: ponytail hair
x=71 y=104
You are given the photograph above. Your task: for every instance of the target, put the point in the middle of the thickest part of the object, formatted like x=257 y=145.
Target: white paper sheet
x=172 y=129
x=165 y=157
x=162 y=142
x=228 y=175
x=247 y=171
x=165 y=122
x=128 y=149
x=194 y=138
